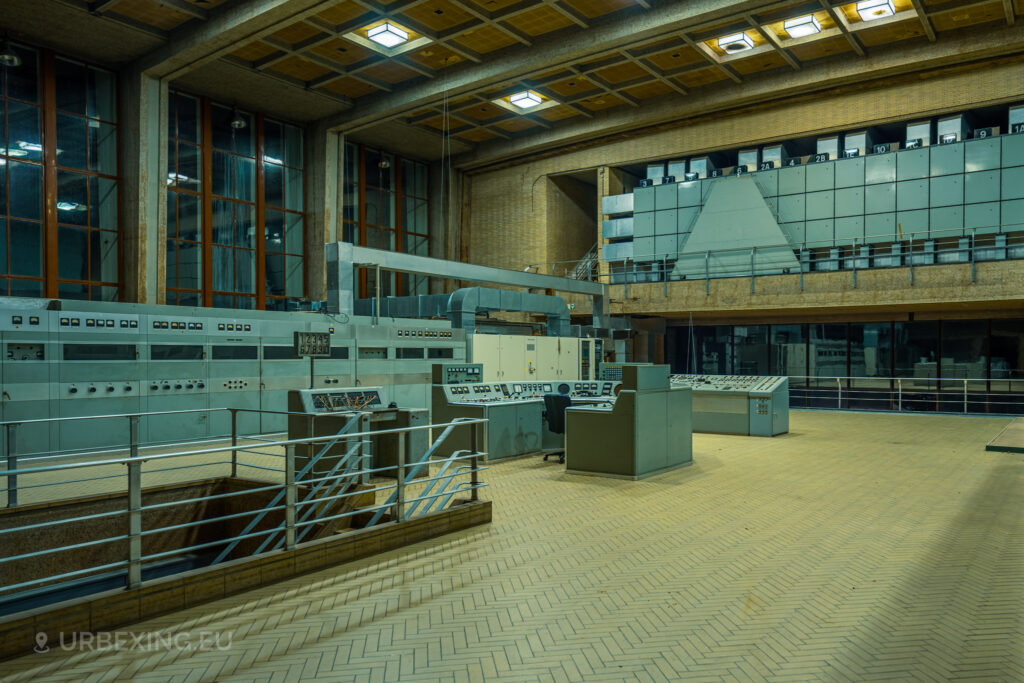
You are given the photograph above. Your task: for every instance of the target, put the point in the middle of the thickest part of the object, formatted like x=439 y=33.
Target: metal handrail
x=444 y=481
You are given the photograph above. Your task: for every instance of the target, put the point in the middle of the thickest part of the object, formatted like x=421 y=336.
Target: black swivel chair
x=554 y=413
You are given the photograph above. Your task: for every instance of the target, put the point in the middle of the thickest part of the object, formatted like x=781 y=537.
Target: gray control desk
x=736 y=404
x=326 y=411
x=514 y=411
x=646 y=431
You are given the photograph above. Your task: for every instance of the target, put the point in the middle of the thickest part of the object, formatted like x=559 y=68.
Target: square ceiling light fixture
x=802 y=26
x=870 y=10
x=387 y=34
x=738 y=42
x=525 y=100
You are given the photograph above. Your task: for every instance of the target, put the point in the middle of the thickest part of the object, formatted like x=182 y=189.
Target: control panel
x=528 y=391
x=457 y=373
x=340 y=400
x=738 y=404
x=739 y=384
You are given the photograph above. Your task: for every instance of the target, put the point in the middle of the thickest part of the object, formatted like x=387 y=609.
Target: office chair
x=554 y=413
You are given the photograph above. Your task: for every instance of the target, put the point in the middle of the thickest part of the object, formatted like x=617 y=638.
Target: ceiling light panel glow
x=387 y=34
x=525 y=99
x=870 y=10
x=802 y=26
x=738 y=42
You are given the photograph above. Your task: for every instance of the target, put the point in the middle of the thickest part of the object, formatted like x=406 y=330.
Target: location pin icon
x=41 y=639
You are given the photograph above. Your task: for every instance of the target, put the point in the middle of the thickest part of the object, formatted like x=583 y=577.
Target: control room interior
x=511 y=340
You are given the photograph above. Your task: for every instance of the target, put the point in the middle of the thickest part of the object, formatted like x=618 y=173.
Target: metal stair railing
x=585 y=268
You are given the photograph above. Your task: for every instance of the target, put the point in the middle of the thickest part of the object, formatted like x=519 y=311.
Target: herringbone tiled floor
x=858 y=547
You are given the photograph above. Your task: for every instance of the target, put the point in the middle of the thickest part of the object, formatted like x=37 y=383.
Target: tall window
x=235 y=218
x=386 y=206
x=59 y=216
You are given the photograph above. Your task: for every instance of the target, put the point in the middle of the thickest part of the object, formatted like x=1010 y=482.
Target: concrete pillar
x=143 y=131
x=324 y=175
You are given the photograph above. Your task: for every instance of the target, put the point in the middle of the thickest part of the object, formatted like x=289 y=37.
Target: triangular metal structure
x=736 y=219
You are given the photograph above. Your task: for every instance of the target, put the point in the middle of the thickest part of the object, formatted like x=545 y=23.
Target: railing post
x=854 y=259
x=752 y=252
x=910 y=255
x=974 y=268
x=133 y=436
x=839 y=400
x=399 y=512
x=965 y=397
x=234 y=442
x=899 y=394
x=134 y=523
x=290 y=496
x=707 y=273
x=12 y=465
x=800 y=260
x=474 y=475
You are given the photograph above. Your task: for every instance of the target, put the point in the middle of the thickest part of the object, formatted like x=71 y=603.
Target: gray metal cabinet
x=665 y=197
x=912 y=224
x=665 y=222
x=643 y=225
x=850 y=172
x=792 y=180
x=643 y=199
x=982 y=186
x=850 y=228
x=792 y=208
x=1013 y=150
x=982 y=219
x=946 y=190
x=880 y=198
x=688 y=194
x=880 y=168
x=912 y=194
x=821 y=205
x=880 y=227
x=821 y=177
x=947 y=159
x=981 y=155
x=850 y=201
x=947 y=221
x=820 y=233
x=912 y=164
x=1013 y=183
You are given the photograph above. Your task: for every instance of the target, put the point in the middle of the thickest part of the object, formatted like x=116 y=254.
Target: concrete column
x=324 y=175
x=143 y=131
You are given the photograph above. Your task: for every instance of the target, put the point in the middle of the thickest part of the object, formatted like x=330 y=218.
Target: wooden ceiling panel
x=762 y=62
x=604 y=101
x=968 y=16
x=343 y=51
x=152 y=13
x=350 y=87
x=299 y=68
x=821 y=48
x=621 y=73
x=675 y=58
x=574 y=85
x=517 y=124
x=890 y=33
x=597 y=8
x=558 y=113
x=484 y=39
x=390 y=72
x=484 y=111
x=254 y=51
x=539 y=21
x=493 y=5
x=438 y=123
x=850 y=10
x=342 y=13
x=296 y=33
x=699 y=77
x=435 y=57
x=646 y=91
x=477 y=135
x=438 y=15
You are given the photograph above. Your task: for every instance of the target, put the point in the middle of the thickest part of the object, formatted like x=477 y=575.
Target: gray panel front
x=821 y=177
x=983 y=219
x=982 y=186
x=981 y=155
x=880 y=198
x=947 y=159
x=911 y=194
x=850 y=172
x=850 y=202
x=792 y=180
x=880 y=168
x=880 y=227
x=912 y=164
x=947 y=190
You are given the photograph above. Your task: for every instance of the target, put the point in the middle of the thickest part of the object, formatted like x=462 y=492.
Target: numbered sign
x=766 y=166
x=795 y=161
x=717 y=173
x=880 y=149
x=668 y=180
x=312 y=344
x=1017 y=127
x=947 y=139
x=983 y=133
x=820 y=157
x=913 y=144
x=739 y=170
x=851 y=153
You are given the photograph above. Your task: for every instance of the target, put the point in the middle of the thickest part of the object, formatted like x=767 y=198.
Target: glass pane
x=349 y=233
x=223 y=222
x=24 y=139
x=273 y=142
x=273 y=227
x=73 y=253
x=171 y=266
x=188 y=299
x=23 y=82
x=3 y=250
x=245 y=226
x=72 y=80
x=72 y=198
x=380 y=208
x=103 y=256
x=275 y=274
x=293 y=147
x=103 y=203
x=188 y=217
x=827 y=350
x=223 y=269
x=245 y=179
x=414 y=217
x=103 y=148
x=172 y=163
x=274 y=179
x=223 y=301
x=1007 y=353
x=189 y=173
x=380 y=239
x=226 y=137
x=72 y=141
x=295 y=276
x=3 y=187
x=26 y=248
x=26 y=200
x=750 y=350
x=788 y=350
x=3 y=118
x=26 y=287
x=245 y=302
x=221 y=174
x=102 y=95
x=916 y=351
x=380 y=170
x=245 y=271
x=294 y=239
x=190 y=260
x=870 y=350
x=104 y=293
x=351 y=211
x=67 y=290
x=415 y=244
x=293 y=191
x=964 y=353
x=351 y=163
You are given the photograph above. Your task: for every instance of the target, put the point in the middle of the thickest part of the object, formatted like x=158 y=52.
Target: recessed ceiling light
x=802 y=26
x=738 y=42
x=8 y=57
x=875 y=9
x=387 y=34
x=525 y=99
